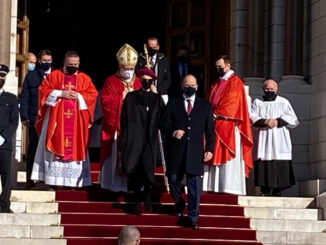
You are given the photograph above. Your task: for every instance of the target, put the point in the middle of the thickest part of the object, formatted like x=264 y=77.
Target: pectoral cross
x=70 y=86
x=67 y=143
x=68 y=113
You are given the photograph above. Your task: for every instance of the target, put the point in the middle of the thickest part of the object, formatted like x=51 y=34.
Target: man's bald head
x=189 y=80
x=270 y=85
x=31 y=58
x=129 y=235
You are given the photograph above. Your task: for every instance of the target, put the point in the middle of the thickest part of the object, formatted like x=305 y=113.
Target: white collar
x=227 y=75
x=191 y=98
x=1 y=90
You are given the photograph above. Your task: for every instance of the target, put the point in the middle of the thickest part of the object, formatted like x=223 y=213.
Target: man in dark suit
x=179 y=69
x=159 y=64
x=186 y=121
x=8 y=126
x=29 y=106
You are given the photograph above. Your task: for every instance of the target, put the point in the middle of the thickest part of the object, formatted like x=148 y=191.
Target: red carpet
x=95 y=217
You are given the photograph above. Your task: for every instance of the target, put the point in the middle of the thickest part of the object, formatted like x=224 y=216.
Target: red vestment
x=229 y=101
x=112 y=101
x=68 y=126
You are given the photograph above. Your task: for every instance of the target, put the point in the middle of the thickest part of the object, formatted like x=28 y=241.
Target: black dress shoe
x=179 y=214
x=137 y=208
x=194 y=226
x=148 y=201
x=5 y=210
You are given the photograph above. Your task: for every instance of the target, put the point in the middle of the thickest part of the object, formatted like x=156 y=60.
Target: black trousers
x=5 y=172
x=194 y=191
x=32 y=146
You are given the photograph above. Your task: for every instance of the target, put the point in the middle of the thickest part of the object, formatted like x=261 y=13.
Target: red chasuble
x=68 y=127
x=228 y=99
x=112 y=101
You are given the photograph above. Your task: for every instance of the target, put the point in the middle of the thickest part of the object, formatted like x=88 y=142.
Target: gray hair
x=129 y=235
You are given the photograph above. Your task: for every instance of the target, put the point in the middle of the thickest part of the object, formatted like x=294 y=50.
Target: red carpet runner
x=96 y=216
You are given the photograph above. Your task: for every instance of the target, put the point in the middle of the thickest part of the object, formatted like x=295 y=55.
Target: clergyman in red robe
x=232 y=158
x=114 y=92
x=67 y=99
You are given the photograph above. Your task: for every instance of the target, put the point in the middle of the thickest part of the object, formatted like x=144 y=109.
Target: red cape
x=84 y=118
x=112 y=101
x=232 y=105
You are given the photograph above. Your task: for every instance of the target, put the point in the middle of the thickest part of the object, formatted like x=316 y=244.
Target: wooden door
x=22 y=45
x=203 y=26
x=188 y=23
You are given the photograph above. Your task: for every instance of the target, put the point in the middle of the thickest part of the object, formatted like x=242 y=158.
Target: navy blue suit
x=186 y=155
x=8 y=126
x=28 y=111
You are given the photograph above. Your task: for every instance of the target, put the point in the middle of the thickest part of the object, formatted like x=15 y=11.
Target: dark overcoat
x=139 y=128
x=187 y=154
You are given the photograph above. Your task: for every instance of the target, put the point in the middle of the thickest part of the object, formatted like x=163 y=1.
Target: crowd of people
x=147 y=107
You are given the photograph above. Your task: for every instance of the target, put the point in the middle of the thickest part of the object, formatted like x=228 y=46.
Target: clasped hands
x=271 y=123
x=69 y=94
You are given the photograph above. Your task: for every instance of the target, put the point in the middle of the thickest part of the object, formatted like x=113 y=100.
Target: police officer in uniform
x=8 y=126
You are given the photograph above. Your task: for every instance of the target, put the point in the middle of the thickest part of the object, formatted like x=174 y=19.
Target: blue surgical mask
x=31 y=67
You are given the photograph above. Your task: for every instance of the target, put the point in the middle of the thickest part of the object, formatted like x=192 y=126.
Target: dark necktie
x=189 y=107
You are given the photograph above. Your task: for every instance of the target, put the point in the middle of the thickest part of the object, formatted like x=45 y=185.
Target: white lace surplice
x=53 y=171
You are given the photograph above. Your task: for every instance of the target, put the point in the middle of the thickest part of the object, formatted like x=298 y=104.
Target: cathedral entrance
x=95 y=29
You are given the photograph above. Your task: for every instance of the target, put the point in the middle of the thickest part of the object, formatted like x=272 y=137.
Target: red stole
x=230 y=102
x=69 y=117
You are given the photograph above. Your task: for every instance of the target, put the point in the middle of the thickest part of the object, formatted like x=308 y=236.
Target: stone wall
x=316 y=67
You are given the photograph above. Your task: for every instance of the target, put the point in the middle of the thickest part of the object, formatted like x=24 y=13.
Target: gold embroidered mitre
x=127 y=56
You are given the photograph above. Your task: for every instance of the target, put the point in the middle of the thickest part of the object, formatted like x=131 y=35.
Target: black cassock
x=139 y=137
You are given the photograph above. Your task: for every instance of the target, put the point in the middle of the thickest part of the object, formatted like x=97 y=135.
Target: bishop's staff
x=160 y=142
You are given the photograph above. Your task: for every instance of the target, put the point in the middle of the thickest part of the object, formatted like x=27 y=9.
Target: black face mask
x=269 y=95
x=220 y=71
x=146 y=84
x=182 y=59
x=189 y=91
x=2 y=82
x=71 y=69
x=152 y=52
x=46 y=66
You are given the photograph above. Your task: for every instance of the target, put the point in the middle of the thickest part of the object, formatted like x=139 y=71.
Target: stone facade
x=267 y=40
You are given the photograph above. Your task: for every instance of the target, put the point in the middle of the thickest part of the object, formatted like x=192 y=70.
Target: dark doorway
x=95 y=29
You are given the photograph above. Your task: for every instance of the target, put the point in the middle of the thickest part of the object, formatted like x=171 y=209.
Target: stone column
x=294 y=38
x=277 y=38
x=238 y=35
x=255 y=51
x=5 y=25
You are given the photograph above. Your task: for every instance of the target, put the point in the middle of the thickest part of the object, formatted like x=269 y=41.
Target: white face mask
x=127 y=74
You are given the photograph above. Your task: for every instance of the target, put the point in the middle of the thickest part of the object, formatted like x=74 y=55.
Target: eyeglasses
x=147 y=80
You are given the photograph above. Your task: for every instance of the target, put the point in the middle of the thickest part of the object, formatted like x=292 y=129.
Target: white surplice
x=273 y=143
x=111 y=176
x=54 y=171
x=229 y=177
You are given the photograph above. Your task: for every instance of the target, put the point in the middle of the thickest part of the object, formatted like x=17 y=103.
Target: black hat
x=3 y=70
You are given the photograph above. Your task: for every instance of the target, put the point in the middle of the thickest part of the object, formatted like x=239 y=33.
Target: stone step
x=284 y=237
x=30 y=219
x=21 y=176
x=26 y=231
x=283 y=213
x=32 y=196
x=29 y=241
x=280 y=202
x=288 y=225
x=35 y=207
